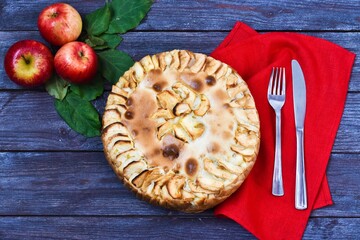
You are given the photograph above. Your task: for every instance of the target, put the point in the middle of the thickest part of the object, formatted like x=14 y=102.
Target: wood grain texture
x=37 y=126
x=210 y=15
x=56 y=184
x=140 y=44
x=77 y=183
x=157 y=228
x=28 y=121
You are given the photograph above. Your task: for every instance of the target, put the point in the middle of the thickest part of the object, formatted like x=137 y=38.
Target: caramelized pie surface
x=181 y=129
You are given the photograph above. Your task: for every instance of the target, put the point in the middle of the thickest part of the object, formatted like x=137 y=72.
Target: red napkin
x=327 y=69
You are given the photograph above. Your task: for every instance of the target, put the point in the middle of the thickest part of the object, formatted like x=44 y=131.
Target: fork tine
x=278 y=90
x=283 y=83
x=270 y=87
x=275 y=79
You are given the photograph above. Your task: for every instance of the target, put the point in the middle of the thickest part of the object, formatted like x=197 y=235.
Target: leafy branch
x=102 y=28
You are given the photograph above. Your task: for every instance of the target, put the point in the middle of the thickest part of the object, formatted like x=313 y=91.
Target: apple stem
x=27 y=61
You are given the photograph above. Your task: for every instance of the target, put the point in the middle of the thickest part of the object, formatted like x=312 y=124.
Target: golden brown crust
x=181 y=130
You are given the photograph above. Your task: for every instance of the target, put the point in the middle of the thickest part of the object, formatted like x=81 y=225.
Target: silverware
x=299 y=93
x=276 y=98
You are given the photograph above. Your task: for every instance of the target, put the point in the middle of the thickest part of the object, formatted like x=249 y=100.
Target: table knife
x=299 y=94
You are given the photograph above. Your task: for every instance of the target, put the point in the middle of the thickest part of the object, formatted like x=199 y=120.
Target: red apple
x=29 y=63
x=59 y=23
x=76 y=62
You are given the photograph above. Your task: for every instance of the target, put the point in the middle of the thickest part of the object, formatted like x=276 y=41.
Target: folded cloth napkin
x=327 y=69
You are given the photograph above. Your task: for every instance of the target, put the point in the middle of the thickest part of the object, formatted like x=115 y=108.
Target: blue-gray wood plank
x=139 y=44
x=153 y=227
x=57 y=184
x=82 y=183
x=211 y=15
x=29 y=108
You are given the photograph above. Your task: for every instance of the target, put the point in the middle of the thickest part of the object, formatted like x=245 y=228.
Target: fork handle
x=300 y=183
x=277 y=185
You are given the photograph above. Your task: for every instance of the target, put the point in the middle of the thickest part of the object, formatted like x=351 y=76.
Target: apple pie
x=181 y=130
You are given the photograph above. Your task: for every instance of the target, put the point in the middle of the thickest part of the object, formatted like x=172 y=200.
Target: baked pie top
x=181 y=129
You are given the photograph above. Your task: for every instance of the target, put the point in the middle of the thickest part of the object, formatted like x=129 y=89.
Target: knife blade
x=299 y=95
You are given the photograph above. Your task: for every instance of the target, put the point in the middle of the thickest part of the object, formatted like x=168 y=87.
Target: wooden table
x=55 y=183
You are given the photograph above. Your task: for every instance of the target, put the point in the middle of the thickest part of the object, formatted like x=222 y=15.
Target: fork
x=276 y=98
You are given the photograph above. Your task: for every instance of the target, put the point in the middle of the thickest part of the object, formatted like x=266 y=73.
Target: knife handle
x=300 y=185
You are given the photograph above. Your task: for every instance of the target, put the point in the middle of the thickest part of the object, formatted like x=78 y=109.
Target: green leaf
x=91 y=90
x=113 y=64
x=99 y=48
x=98 y=21
x=111 y=40
x=96 y=40
x=104 y=41
x=127 y=14
x=79 y=114
x=90 y=43
x=57 y=87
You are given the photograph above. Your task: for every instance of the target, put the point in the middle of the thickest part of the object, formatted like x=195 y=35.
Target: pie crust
x=181 y=130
